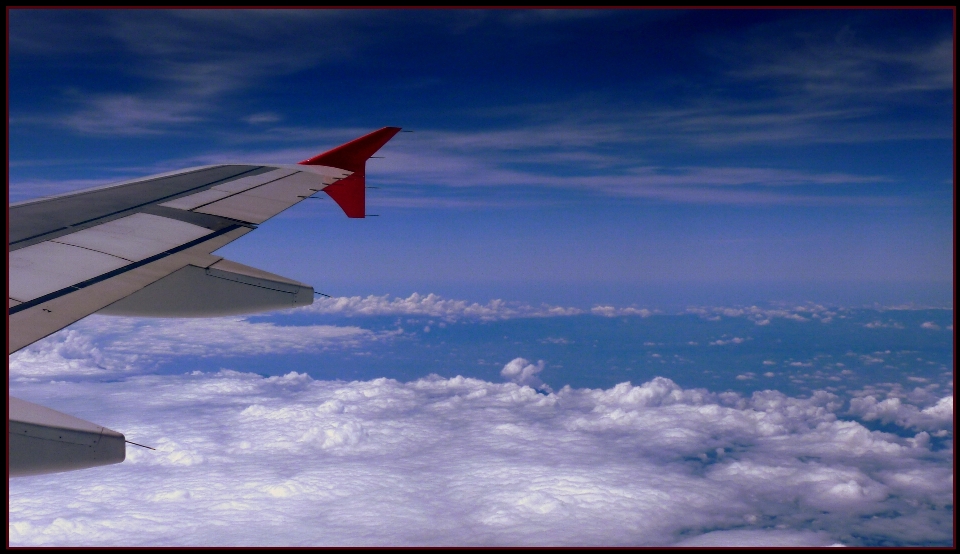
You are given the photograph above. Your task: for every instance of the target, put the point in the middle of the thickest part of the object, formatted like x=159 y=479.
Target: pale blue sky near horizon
x=572 y=156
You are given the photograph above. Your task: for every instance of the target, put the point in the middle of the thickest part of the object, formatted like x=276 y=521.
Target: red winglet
x=350 y=193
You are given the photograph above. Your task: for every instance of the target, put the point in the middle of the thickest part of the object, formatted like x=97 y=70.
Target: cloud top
x=523 y=372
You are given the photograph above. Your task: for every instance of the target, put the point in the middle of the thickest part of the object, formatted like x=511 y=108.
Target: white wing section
x=50 y=266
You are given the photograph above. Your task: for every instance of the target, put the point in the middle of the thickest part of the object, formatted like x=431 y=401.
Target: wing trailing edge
x=350 y=193
x=221 y=289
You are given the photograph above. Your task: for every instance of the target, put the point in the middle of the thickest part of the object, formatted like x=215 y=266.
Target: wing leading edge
x=145 y=248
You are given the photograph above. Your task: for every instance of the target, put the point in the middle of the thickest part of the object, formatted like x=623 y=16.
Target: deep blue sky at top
x=608 y=154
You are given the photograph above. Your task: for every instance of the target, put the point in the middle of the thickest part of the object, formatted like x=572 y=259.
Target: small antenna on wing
x=321 y=294
x=140 y=445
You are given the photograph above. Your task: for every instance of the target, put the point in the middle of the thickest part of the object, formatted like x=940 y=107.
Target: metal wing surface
x=145 y=248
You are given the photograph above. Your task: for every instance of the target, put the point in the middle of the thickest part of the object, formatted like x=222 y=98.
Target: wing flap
x=223 y=288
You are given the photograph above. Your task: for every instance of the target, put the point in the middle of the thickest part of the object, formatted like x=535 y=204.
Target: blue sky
x=615 y=156
x=640 y=277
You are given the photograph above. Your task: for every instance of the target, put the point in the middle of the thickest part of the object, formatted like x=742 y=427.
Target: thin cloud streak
x=459 y=160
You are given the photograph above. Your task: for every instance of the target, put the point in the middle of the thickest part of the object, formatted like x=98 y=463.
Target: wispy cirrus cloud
x=182 y=69
x=262 y=118
x=179 y=63
x=839 y=63
x=128 y=114
x=515 y=159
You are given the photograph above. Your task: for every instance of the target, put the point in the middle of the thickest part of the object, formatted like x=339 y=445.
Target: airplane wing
x=145 y=248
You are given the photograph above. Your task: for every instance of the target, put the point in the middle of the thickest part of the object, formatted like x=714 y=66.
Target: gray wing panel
x=46 y=441
x=224 y=288
x=32 y=222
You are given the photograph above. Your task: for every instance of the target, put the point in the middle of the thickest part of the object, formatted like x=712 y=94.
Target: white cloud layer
x=127 y=344
x=247 y=460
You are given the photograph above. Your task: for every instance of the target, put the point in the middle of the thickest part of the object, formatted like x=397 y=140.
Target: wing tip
x=353 y=155
x=350 y=193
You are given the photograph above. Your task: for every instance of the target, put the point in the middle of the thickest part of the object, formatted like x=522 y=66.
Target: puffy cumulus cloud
x=523 y=372
x=247 y=460
x=930 y=325
x=892 y=410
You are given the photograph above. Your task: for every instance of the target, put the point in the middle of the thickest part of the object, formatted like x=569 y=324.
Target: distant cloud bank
x=434 y=306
